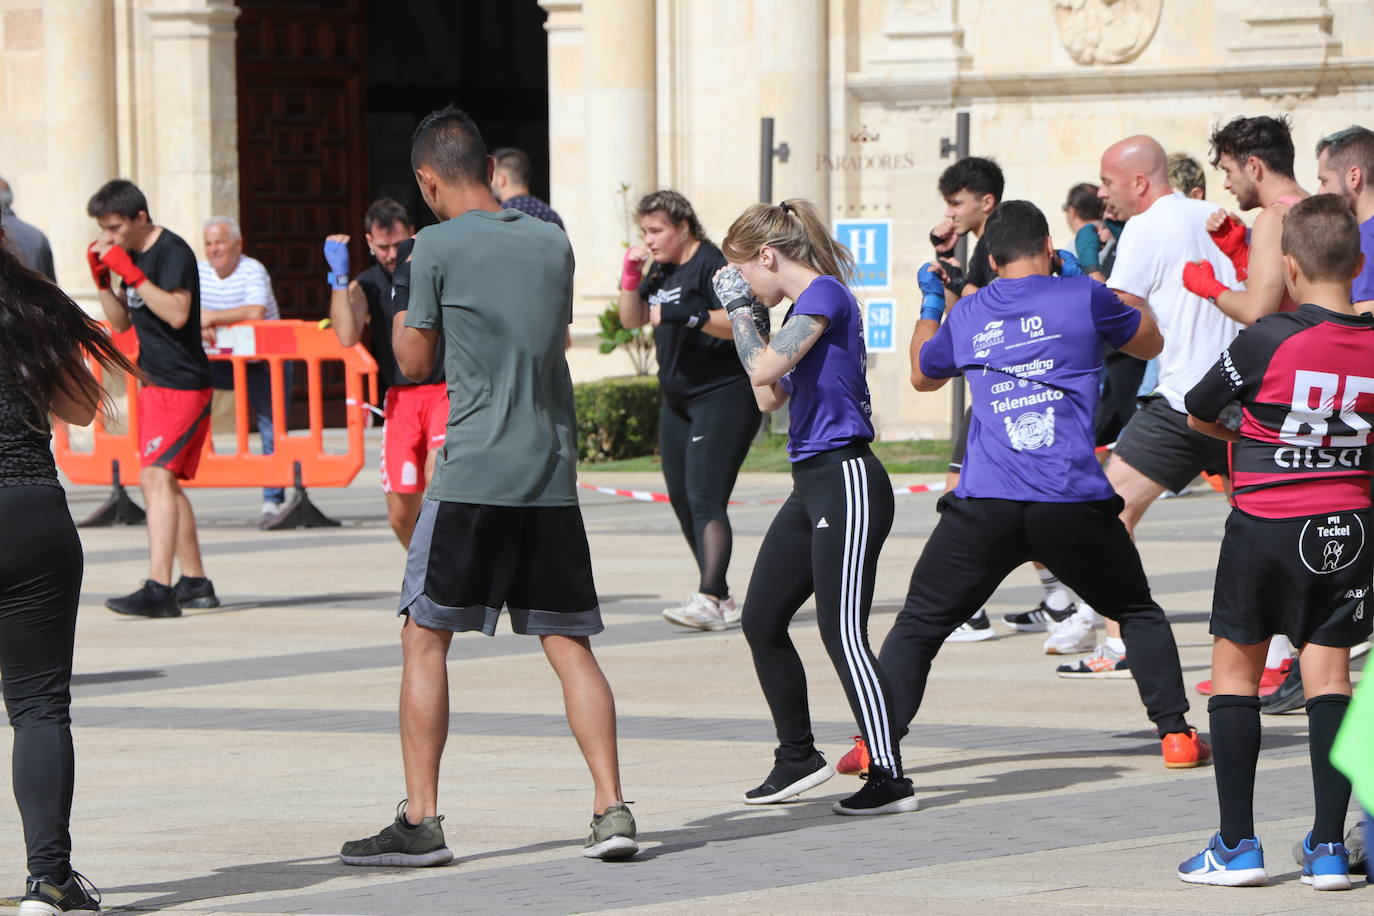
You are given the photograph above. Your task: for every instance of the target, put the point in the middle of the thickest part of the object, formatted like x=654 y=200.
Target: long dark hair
x=44 y=337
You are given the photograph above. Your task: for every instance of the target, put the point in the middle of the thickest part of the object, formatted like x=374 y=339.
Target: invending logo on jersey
x=991 y=336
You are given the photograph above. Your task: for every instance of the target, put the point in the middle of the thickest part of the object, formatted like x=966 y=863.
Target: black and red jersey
x=1304 y=383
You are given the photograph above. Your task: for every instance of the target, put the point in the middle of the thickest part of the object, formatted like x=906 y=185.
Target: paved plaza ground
x=222 y=758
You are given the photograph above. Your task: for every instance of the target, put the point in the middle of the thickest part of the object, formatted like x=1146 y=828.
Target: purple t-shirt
x=1363 y=288
x=830 y=406
x=1031 y=349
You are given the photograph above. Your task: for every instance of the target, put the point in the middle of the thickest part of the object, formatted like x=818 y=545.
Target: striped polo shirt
x=249 y=284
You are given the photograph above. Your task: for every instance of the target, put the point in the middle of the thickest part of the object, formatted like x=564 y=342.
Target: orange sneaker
x=1185 y=750
x=855 y=762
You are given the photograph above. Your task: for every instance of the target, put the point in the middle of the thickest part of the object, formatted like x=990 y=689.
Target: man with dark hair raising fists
x=414 y=413
x=159 y=297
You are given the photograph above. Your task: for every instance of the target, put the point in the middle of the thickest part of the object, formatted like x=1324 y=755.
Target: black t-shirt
x=691 y=363
x=399 y=302
x=980 y=272
x=170 y=357
x=377 y=286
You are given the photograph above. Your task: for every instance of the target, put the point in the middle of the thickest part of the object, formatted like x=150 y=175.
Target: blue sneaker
x=1326 y=868
x=1239 y=867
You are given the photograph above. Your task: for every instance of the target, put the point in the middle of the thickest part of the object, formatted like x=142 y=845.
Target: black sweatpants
x=40 y=581
x=702 y=444
x=977 y=542
x=824 y=540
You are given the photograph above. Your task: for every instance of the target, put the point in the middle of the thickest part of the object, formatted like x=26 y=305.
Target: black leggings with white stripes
x=824 y=541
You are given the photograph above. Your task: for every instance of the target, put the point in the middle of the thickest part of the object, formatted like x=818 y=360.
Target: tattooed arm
x=766 y=362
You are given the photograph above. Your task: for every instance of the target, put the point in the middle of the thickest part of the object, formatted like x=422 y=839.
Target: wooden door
x=302 y=81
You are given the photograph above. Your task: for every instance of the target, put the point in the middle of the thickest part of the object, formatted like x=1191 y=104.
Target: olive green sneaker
x=401 y=844
x=613 y=834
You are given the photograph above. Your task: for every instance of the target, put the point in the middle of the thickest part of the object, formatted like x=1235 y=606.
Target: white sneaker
x=1071 y=636
x=729 y=611
x=976 y=629
x=700 y=612
x=270 y=509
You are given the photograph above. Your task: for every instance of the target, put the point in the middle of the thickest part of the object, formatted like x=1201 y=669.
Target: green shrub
x=616 y=418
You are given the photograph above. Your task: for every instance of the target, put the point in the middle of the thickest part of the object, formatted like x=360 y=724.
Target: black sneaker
x=195 y=592
x=1038 y=619
x=152 y=600
x=976 y=629
x=1288 y=697
x=881 y=794
x=790 y=778
x=45 y=897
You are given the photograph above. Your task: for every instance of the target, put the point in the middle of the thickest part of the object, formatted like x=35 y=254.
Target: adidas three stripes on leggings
x=824 y=541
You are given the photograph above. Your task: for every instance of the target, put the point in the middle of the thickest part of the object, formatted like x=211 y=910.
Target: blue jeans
x=260 y=402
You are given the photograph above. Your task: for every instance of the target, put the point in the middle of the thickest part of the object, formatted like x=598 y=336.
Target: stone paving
x=223 y=757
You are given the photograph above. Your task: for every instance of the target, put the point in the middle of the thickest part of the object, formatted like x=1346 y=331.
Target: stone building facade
x=669 y=93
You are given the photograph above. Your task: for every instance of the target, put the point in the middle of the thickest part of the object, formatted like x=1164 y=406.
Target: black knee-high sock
x=1329 y=786
x=1235 y=723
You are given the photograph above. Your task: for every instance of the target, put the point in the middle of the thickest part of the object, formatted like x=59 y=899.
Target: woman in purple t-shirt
x=825 y=539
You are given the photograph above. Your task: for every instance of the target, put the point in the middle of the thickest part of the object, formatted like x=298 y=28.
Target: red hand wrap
x=1201 y=280
x=630 y=272
x=1230 y=238
x=118 y=260
x=99 y=272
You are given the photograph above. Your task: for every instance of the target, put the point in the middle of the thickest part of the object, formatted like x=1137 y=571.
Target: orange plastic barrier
x=275 y=343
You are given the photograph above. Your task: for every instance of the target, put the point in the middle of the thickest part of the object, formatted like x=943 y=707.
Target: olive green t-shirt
x=498 y=286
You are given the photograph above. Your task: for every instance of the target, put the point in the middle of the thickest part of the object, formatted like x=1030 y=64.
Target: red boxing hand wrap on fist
x=99 y=272
x=1230 y=238
x=630 y=273
x=118 y=260
x=1201 y=280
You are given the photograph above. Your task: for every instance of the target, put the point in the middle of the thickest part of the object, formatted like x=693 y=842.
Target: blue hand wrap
x=336 y=255
x=1071 y=267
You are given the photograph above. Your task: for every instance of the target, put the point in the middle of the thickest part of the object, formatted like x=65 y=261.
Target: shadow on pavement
x=231 y=881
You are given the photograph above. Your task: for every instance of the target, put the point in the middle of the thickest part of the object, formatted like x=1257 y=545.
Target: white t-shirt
x=1151 y=253
x=249 y=284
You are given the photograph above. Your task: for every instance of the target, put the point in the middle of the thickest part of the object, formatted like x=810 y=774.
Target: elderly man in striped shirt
x=234 y=288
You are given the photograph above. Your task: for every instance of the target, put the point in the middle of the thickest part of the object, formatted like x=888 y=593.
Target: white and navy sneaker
x=1242 y=866
x=1327 y=867
x=1039 y=619
x=976 y=629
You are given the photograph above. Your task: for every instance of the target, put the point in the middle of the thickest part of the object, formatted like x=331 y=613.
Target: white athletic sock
x=1056 y=597
x=1085 y=610
x=1279 y=649
x=1116 y=644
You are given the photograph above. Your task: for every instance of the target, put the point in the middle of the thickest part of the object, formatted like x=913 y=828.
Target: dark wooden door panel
x=302 y=140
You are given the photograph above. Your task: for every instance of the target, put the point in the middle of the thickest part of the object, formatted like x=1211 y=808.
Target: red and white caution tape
x=648 y=496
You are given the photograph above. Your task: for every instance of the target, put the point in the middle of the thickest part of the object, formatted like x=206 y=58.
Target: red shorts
x=416 y=417
x=172 y=427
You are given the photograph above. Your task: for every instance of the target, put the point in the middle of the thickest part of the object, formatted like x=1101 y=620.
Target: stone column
x=790 y=54
x=567 y=141
x=619 y=131
x=79 y=81
x=194 y=114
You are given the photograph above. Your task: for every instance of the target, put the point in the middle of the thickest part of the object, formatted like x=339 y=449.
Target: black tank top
x=25 y=451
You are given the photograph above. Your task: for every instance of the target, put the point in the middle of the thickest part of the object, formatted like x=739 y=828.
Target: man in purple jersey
x=1030 y=346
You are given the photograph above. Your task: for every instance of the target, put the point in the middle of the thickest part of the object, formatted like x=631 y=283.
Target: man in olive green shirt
x=500 y=526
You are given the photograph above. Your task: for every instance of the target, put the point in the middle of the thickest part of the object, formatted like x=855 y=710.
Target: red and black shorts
x=467 y=562
x=172 y=427
x=1307 y=578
